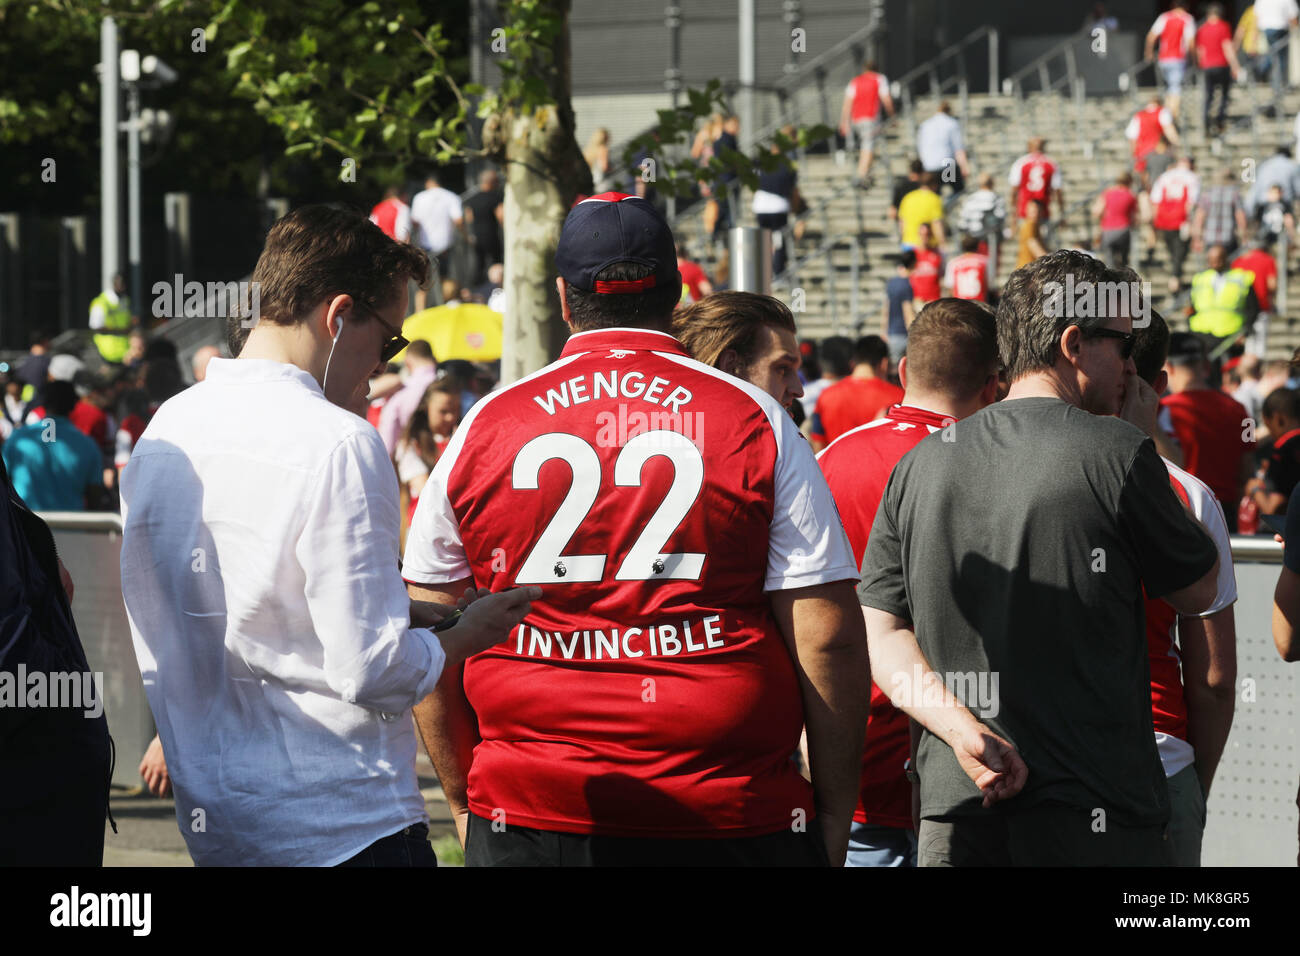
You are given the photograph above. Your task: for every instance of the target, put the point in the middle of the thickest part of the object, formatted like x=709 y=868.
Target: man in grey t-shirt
x=1004 y=580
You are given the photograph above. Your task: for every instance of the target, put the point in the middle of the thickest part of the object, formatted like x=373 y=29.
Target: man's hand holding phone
x=481 y=619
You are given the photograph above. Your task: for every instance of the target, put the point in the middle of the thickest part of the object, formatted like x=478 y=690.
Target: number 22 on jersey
x=547 y=564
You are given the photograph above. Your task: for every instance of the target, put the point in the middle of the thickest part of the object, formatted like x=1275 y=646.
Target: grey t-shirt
x=1017 y=541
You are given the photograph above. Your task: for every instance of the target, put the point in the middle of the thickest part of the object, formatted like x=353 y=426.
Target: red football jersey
x=849 y=403
x=1209 y=43
x=925 y=275
x=1168 y=704
x=1209 y=426
x=866 y=97
x=1171 y=194
x=1175 y=29
x=1035 y=176
x=968 y=275
x=655 y=500
x=857 y=468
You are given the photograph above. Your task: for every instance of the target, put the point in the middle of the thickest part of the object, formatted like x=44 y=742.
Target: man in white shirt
x=436 y=214
x=280 y=652
x=1274 y=19
x=941 y=148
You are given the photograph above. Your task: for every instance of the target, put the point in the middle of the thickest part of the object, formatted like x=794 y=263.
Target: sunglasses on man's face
x=392 y=345
x=1127 y=340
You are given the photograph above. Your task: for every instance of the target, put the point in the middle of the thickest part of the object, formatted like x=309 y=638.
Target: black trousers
x=523 y=846
x=408 y=847
x=1220 y=78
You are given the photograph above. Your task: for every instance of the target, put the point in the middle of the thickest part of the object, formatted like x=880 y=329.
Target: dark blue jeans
x=409 y=847
x=1275 y=64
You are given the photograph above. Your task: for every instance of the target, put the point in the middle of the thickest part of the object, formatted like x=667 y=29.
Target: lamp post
x=137 y=72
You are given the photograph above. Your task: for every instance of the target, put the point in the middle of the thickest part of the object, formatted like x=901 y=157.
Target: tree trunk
x=544 y=173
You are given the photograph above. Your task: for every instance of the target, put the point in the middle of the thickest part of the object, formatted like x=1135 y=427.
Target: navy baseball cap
x=615 y=227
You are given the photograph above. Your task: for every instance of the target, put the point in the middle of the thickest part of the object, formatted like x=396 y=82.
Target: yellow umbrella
x=467 y=331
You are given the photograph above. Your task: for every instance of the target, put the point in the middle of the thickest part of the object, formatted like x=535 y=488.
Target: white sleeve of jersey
x=882 y=85
x=1131 y=130
x=1207 y=509
x=402 y=229
x=1014 y=178
x=806 y=543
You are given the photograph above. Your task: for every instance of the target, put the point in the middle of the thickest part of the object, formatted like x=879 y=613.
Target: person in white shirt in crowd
x=1274 y=19
x=279 y=650
x=942 y=149
x=436 y=214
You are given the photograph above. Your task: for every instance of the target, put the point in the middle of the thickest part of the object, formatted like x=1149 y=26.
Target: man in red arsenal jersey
x=858 y=399
x=950 y=371
x=697 y=610
x=393 y=215
x=1192 y=680
x=1034 y=176
x=967 y=276
x=864 y=98
x=1173 y=31
x=1211 y=427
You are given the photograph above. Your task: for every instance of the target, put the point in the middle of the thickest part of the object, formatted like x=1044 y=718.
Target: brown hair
x=728 y=320
x=318 y=251
x=418 y=433
x=952 y=348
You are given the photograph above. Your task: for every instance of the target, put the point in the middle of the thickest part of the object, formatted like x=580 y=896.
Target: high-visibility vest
x=1220 y=312
x=113 y=348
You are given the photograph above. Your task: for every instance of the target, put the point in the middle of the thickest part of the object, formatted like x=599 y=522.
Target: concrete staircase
x=1087 y=140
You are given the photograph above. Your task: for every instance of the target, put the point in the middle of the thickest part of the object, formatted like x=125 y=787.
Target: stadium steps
x=996 y=135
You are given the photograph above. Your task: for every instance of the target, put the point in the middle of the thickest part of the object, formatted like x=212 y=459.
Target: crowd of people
x=703 y=591
x=638 y=532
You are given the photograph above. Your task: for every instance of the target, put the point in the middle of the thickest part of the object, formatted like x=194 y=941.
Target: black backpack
x=56 y=763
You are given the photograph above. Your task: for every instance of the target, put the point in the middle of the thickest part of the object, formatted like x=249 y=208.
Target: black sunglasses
x=1127 y=338
x=391 y=346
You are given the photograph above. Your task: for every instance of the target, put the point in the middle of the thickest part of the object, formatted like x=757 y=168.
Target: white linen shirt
x=270 y=620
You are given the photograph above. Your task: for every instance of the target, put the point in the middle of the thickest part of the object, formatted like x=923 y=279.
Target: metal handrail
x=901 y=88
x=1013 y=84
x=816 y=68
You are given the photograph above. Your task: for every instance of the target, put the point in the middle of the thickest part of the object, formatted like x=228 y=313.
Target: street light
x=136 y=73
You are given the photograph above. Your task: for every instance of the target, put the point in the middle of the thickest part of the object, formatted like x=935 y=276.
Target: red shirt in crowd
x=1035 y=176
x=1117 y=209
x=925 y=277
x=1263 y=265
x=849 y=403
x=1209 y=43
x=692 y=277
x=657 y=502
x=1172 y=192
x=1175 y=29
x=91 y=421
x=967 y=276
x=857 y=468
x=1209 y=426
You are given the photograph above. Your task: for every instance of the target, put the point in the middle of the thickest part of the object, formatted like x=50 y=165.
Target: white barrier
x=1252 y=812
